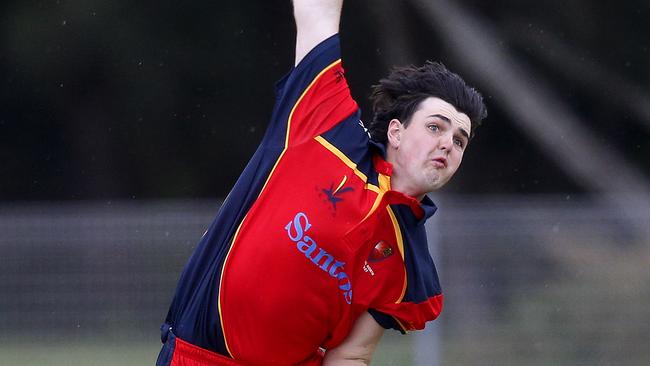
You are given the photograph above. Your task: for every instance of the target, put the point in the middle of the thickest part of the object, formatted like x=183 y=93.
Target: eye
x=459 y=142
x=433 y=127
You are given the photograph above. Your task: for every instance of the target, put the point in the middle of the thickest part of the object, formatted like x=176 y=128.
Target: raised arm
x=316 y=20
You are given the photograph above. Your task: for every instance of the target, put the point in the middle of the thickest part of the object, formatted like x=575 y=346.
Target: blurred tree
x=109 y=99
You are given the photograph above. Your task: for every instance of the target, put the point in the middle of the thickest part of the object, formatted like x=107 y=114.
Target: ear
x=393 y=133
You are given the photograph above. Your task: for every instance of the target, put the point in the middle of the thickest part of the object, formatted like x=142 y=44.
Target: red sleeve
x=325 y=102
x=313 y=97
x=408 y=316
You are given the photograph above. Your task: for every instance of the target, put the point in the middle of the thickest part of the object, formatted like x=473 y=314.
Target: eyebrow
x=462 y=131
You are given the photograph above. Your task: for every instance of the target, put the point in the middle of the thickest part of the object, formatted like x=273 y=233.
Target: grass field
x=394 y=350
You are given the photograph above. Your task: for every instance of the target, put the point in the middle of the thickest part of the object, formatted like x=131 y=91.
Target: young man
x=320 y=245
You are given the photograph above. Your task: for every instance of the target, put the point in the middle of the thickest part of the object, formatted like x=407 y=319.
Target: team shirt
x=310 y=237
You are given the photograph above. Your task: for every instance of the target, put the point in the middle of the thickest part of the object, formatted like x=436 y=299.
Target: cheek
x=410 y=155
x=423 y=150
x=455 y=159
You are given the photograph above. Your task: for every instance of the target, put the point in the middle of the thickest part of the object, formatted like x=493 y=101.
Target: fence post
x=426 y=343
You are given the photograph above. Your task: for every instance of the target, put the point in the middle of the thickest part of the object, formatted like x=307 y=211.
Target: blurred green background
x=145 y=100
x=545 y=280
x=123 y=125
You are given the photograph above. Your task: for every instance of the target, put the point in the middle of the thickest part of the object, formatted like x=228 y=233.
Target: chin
x=435 y=188
x=436 y=185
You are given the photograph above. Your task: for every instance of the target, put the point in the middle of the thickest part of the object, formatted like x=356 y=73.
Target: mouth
x=440 y=162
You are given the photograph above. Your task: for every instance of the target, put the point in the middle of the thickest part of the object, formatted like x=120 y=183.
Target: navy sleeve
x=312 y=97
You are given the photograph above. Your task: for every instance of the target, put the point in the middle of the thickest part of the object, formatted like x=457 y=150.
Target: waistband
x=187 y=354
x=177 y=352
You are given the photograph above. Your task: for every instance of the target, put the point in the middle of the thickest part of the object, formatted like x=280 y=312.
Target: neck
x=398 y=185
x=398 y=182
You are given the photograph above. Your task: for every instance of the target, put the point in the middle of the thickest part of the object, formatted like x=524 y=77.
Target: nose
x=446 y=142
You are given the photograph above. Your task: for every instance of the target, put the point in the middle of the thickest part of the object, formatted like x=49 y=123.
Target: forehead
x=436 y=106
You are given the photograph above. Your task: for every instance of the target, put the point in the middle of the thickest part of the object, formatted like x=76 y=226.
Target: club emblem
x=380 y=251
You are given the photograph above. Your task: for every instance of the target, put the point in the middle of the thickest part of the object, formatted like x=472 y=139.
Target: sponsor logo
x=340 y=75
x=296 y=230
x=364 y=128
x=333 y=195
x=368 y=269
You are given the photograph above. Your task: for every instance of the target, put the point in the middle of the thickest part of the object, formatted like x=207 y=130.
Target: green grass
x=82 y=354
x=394 y=350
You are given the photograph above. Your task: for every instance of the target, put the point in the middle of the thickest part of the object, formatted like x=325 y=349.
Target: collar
x=379 y=147
x=429 y=208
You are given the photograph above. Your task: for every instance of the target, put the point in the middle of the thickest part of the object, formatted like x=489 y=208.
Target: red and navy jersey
x=310 y=237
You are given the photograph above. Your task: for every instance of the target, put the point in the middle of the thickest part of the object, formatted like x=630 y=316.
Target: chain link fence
x=527 y=280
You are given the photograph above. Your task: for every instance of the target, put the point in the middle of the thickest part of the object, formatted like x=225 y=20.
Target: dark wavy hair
x=400 y=94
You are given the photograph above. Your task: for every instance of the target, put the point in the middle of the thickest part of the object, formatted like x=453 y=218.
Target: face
x=427 y=153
